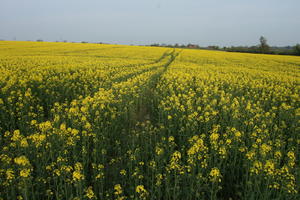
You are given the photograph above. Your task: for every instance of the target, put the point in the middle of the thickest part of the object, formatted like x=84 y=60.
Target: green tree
x=264 y=47
x=297 y=49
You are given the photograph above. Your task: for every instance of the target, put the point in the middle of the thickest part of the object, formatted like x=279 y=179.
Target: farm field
x=97 y=121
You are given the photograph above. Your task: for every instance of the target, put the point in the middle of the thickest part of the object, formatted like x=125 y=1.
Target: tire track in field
x=141 y=109
x=131 y=75
x=146 y=109
x=48 y=103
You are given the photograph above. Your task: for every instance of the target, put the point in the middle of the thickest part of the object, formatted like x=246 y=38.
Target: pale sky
x=203 y=22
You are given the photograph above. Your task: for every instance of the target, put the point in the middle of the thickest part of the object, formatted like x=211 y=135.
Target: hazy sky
x=203 y=22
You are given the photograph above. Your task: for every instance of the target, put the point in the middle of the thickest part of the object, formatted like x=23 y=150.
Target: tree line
x=262 y=47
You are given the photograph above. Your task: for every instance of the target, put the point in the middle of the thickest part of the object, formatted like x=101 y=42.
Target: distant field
x=95 y=121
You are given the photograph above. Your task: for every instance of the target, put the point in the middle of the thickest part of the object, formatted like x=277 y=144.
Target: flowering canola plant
x=96 y=121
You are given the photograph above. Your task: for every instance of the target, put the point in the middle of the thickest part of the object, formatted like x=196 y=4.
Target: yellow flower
x=118 y=189
x=269 y=167
x=123 y=172
x=78 y=166
x=74 y=132
x=19 y=197
x=10 y=174
x=291 y=155
x=77 y=176
x=33 y=122
x=140 y=189
x=222 y=152
x=25 y=173
x=171 y=139
x=265 y=149
x=22 y=160
x=292 y=158
x=62 y=126
x=24 y=143
x=37 y=138
x=257 y=167
x=237 y=134
x=228 y=141
x=214 y=136
x=159 y=178
x=159 y=151
x=174 y=162
x=16 y=136
x=250 y=155
x=215 y=175
x=89 y=193
x=277 y=154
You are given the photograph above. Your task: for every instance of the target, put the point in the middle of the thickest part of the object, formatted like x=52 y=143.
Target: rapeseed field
x=97 y=121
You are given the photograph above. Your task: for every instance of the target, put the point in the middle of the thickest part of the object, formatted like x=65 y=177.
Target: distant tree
x=39 y=40
x=297 y=49
x=155 y=45
x=264 y=47
x=213 y=47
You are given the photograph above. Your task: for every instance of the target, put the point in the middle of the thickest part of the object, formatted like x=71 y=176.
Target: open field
x=95 y=121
